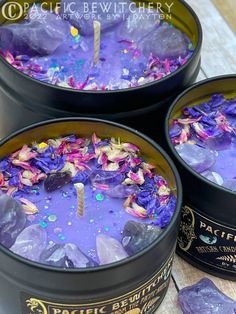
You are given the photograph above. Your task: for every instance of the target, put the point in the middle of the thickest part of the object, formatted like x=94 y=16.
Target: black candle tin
x=209 y=209
x=132 y=286
x=25 y=100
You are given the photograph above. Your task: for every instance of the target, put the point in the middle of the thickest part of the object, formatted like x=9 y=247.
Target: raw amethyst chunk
x=40 y=35
x=198 y=158
x=109 y=250
x=81 y=14
x=12 y=220
x=221 y=141
x=134 y=30
x=204 y=297
x=165 y=42
x=65 y=256
x=137 y=236
x=56 y=181
x=30 y=243
x=122 y=191
x=213 y=176
x=230 y=184
x=109 y=178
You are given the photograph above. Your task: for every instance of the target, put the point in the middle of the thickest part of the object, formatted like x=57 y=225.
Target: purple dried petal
x=175 y=130
x=217 y=100
x=221 y=141
x=231 y=109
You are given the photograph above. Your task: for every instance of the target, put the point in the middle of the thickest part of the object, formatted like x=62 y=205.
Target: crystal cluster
x=205 y=138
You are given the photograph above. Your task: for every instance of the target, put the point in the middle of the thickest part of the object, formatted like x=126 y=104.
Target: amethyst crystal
x=213 y=176
x=137 y=236
x=108 y=178
x=40 y=35
x=122 y=191
x=81 y=14
x=165 y=42
x=109 y=250
x=230 y=184
x=221 y=141
x=138 y=25
x=204 y=297
x=30 y=243
x=65 y=256
x=198 y=158
x=12 y=220
x=56 y=181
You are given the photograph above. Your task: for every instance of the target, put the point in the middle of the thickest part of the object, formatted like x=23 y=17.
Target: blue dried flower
x=82 y=177
x=143 y=198
x=230 y=109
x=217 y=100
x=175 y=130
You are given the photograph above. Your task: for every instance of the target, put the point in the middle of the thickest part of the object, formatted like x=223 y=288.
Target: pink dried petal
x=200 y=131
x=137 y=211
x=2 y=181
x=223 y=124
x=12 y=190
x=111 y=167
x=164 y=190
x=95 y=139
x=24 y=181
x=29 y=207
x=25 y=154
x=188 y=120
x=135 y=178
x=23 y=164
x=101 y=186
x=128 y=147
x=129 y=201
x=116 y=155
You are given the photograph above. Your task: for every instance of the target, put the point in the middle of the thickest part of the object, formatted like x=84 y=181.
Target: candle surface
x=136 y=49
x=126 y=204
x=205 y=137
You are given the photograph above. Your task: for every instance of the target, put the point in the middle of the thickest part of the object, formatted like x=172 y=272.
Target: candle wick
x=97 y=41
x=80 y=198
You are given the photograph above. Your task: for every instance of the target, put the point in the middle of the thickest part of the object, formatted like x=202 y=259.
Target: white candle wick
x=97 y=41
x=80 y=198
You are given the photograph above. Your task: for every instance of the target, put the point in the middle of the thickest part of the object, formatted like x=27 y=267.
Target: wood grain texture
x=219 y=41
x=218 y=57
x=227 y=9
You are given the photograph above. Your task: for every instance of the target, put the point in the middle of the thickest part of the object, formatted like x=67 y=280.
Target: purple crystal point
x=122 y=191
x=137 y=236
x=30 y=243
x=198 y=158
x=65 y=256
x=220 y=142
x=134 y=30
x=213 y=176
x=109 y=250
x=165 y=42
x=83 y=12
x=40 y=35
x=205 y=297
x=230 y=184
x=12 y=220
x=56 y=181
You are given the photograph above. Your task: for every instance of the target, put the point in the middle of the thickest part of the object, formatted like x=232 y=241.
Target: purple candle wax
x=205 y=137
x=129 y=54
x=118 y=186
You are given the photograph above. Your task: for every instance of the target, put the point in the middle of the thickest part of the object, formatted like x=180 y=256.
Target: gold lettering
x=229 y=236
x=115 y=306
x=202 y=225
x=56 y=311
x=209 y=229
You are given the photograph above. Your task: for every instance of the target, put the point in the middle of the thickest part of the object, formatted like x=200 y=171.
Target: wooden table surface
x=218 y=18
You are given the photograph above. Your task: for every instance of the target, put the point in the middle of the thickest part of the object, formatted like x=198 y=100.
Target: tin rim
x=171 y=146
x=133 y=257
x=151 y=84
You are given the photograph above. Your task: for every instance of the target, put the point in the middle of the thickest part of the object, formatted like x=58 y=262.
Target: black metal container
x=132 y=286
x=24 y=100
x=209 y=209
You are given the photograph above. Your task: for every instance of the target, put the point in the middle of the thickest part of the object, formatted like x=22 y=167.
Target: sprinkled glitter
x=74 y=31
x=46 y=206
x=61 y=236
x=57 y=230
x=91 y=221
x=52 y=218
x=43 y=224
x=99 y=197
x=69 y=223
x=107 y=229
